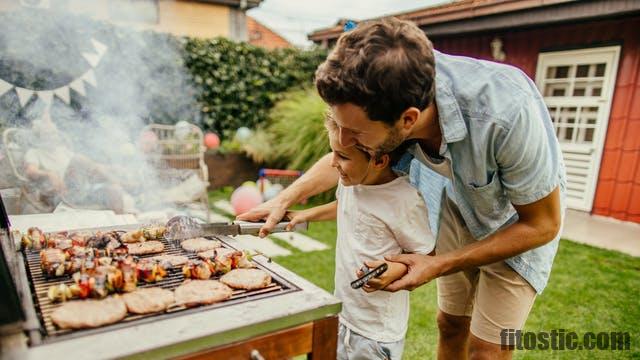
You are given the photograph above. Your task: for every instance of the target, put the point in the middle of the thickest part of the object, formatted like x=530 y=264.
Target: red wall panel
x=618 y=188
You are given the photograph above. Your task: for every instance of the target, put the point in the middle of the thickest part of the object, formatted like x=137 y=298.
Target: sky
x=294 y=19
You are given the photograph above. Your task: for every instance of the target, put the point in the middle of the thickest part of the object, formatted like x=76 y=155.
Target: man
x=61 y=174
x=485 y=159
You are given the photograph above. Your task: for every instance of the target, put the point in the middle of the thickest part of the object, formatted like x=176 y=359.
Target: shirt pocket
x=487 y=200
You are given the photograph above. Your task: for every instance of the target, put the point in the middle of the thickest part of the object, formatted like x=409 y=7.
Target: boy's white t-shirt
x=374 y=221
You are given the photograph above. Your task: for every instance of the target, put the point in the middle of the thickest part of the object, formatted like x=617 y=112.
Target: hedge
x=238 y=83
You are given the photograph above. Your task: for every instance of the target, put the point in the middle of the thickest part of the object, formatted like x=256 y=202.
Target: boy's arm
x=318 y=213
x=321 y=177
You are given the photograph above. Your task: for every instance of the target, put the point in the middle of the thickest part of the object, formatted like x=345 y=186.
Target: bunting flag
x=100 y=47
x=4 y=87
x=78 y=86
x=24 y=95
x=63 y=92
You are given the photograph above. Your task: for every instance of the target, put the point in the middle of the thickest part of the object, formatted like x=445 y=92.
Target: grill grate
x=44 y=307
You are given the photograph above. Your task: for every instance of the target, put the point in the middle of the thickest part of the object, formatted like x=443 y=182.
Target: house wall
x=178 y=17
x=618 y=187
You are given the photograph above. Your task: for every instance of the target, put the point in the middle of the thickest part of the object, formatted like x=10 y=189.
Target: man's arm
x=538 y=224
x=321 y=177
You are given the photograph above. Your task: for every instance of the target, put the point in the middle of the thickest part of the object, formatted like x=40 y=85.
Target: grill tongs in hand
x=185 y=227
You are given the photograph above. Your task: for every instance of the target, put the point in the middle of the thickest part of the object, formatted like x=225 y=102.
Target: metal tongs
x=183 y=227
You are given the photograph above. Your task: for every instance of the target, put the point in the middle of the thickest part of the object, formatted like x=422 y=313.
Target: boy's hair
x=384 y=66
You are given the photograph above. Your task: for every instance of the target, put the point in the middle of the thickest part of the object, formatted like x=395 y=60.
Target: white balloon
x=182 y=130
x=243 y=134
x=272 y=191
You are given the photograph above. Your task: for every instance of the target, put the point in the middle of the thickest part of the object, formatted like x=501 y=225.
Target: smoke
x=99 y=83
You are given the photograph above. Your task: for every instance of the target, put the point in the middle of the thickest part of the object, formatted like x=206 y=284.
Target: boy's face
x=374 y=137
x=352 y=164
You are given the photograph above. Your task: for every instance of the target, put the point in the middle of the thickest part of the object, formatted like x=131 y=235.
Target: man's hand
x=421 y=270
x=394 y=272
x=272 y=211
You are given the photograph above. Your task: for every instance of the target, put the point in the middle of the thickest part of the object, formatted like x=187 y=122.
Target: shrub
x=295 y=137
x=238 y=83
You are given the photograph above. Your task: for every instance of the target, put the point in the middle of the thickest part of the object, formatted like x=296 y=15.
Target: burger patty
x=174 y=260
x=200 y=244
x=213 y=253
x=148 y=300
x=147 y=247
x=201 y=292
x=248 y=279
x=81 y=314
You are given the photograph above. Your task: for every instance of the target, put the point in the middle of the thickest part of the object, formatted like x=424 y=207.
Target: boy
x=378 y=214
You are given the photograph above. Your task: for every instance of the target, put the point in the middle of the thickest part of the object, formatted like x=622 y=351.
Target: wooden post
x=325 y=339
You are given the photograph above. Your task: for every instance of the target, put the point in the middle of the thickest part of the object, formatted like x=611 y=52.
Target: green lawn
x=590 y=290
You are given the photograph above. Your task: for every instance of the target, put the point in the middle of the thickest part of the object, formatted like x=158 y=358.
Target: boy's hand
x=394 y=272
x=296 y=217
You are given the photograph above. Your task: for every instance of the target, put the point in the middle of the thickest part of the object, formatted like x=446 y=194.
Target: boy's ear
x=409 y=117
x=382 y=161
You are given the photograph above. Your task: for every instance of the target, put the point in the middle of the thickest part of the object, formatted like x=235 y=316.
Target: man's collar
x=449 y=115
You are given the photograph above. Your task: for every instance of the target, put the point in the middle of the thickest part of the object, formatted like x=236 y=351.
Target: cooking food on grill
x=211 y=254
x=104 y=240
x=149 y=300
x=200 y=244
x=153 y=232
x=89 y=313
x=147 y=247
x=198 y=269
x=201 y=292
x=98 y=277
x=174 y=260
x=33 y=239
x=248 y=279
x=133 y=236
x=221 y=261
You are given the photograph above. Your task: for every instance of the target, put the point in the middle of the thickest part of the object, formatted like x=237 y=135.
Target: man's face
x=355 y=128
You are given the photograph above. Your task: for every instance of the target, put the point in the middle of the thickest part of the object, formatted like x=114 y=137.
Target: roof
x=477 y=15
x=262 y=36
x=249 y=4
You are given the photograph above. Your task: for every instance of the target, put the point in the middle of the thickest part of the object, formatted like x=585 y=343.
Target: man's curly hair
x=384 y=66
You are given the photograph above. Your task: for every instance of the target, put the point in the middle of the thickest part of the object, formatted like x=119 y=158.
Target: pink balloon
x=245 y=198
x=211 y=141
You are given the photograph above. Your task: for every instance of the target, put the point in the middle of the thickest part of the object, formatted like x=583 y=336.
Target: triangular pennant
x=78 y=85
x=90 y=77
x=24 y=95
x=100 y=47
x=93 y=59
x=4 y=87
x=63 y=94
x=46 y=96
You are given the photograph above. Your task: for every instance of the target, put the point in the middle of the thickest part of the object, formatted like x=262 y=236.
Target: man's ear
x=409 y=117
x=382 y=161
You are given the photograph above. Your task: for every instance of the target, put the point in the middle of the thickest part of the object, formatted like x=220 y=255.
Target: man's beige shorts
x=494 y=295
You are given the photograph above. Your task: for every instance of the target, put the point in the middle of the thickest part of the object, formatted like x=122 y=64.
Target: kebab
x=97 y=280
x=220 y=263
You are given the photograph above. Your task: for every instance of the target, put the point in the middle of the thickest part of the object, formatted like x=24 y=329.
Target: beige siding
x=178 y=17
x=193 y=19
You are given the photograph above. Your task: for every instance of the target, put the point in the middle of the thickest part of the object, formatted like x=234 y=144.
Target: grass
x=590 y=290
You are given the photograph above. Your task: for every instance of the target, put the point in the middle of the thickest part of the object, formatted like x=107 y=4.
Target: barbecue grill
x=289 y=317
